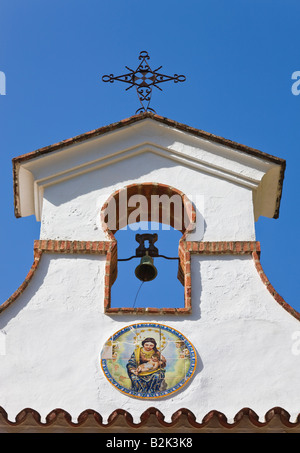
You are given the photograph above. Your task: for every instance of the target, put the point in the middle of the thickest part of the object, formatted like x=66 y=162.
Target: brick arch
x=179 y=213
x=181 y=216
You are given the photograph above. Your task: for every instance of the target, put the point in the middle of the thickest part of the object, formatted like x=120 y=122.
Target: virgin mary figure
x=146 y=368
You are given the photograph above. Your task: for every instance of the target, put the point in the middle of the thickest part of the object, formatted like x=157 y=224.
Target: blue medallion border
x=192 y=357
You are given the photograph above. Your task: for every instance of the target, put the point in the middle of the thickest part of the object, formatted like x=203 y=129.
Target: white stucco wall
x=151 y=151
x=55 y=331
x=71 y=210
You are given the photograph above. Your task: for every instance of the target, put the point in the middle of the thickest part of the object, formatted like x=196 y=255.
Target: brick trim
x=61 y=246
x=23 y=286
x=147 y=189
x=108 y=248
x=186 y=249
x=271 y=289
x=222 y=247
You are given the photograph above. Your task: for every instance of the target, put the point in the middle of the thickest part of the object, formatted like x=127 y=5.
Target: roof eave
x=19 y=160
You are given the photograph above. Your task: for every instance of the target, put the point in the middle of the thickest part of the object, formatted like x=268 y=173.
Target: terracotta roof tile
x=275 y=420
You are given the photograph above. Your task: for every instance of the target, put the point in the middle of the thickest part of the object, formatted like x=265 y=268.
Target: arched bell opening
x=149 y=209
x=163 y=288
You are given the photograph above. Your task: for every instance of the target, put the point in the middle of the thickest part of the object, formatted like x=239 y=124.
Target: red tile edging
x=214 y=420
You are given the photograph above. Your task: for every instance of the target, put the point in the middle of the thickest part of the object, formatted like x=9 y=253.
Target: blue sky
x=238 y=57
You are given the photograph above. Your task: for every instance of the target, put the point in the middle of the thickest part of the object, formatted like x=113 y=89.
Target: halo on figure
x=157 y=335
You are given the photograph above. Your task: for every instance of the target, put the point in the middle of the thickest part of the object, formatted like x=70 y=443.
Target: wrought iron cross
x=143 y=78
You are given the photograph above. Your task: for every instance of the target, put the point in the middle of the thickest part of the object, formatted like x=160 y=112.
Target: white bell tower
x=215 y=358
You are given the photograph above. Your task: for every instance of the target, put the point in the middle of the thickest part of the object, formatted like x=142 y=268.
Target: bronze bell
x=146 y=271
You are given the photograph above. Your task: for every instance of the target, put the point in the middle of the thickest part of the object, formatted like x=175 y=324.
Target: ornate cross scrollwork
x=143 y=78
